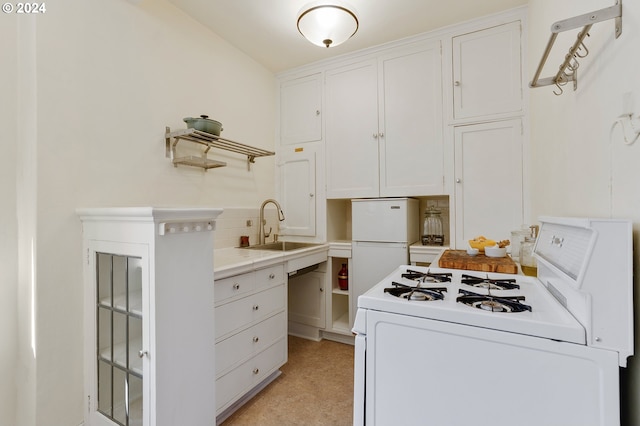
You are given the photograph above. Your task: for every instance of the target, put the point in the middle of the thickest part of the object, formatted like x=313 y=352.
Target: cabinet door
x=487 y=74
x=307 y=302
x=411 y=144
x=351 y=139
x=297 y=170
x=117 y=297
x=489 y=180
x=300 y=112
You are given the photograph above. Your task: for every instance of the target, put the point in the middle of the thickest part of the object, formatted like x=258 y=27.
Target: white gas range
x=453 y=347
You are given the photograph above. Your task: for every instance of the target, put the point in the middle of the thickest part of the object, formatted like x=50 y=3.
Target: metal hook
x=562 y=79
x=582 y=46
x=559 y=88
x=573 y=64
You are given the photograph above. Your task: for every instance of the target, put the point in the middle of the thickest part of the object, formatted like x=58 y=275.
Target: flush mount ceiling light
x=327 y=25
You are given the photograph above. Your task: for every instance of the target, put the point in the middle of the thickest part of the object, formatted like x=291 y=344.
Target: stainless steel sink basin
x=281 y=246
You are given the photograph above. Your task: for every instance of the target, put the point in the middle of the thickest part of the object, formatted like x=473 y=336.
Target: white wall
x=577 y=168
x=107 y=77
x=8 y=219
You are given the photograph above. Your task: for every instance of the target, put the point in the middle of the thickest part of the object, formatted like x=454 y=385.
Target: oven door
x=421 y=371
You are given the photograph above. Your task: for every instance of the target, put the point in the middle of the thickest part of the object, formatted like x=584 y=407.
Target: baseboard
x=337 y=337
x=304 y=331
x=247 y=397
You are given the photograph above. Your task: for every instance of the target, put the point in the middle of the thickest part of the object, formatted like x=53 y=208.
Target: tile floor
x=315 y=388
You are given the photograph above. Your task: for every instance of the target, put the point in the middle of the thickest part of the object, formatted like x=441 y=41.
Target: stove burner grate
x=415 y=293
x=427 y=276
x=491 y=284
x=492 y=303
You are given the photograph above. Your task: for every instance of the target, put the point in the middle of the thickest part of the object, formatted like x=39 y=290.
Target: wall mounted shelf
x=568 y=70
x=209 y=141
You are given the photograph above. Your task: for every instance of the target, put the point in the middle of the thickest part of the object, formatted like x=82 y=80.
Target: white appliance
x=459 y=347
x=382 y=230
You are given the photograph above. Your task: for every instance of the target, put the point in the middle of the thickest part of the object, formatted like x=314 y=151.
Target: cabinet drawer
x=268 y=277
x=233 y=286
x=242 y=346
x=242 y=379
x=239 y=314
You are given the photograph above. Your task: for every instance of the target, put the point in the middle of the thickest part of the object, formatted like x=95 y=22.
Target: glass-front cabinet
x=149 y=316
x=119 y=338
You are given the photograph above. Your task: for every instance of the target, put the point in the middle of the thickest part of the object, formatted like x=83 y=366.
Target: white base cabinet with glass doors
x=149 y=316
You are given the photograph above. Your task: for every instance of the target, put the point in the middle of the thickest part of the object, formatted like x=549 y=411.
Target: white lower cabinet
x=250 y=333
x=307 y=302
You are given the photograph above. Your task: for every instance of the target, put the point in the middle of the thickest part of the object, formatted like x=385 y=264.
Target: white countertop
x=231 y=261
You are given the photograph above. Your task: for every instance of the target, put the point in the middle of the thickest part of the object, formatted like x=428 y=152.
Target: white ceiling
x=266 y=29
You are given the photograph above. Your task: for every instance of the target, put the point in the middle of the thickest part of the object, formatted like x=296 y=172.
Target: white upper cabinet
x=384 y=125
x=489 y=188
x=300 y=110
x=352 y=131
x=297 y=187
x=487 y=72
x=411 y=145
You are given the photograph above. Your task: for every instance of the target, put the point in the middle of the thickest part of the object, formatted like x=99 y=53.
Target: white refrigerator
x=382 y=230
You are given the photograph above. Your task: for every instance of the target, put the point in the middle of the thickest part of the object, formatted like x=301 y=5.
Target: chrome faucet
x=262 y=234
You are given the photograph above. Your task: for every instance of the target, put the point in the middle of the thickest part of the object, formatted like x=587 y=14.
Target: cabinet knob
x=458 y=180
x=255 y=339
x=375 y=136
x=256 y=307
x=317 y=112
x=256 y=370
x=321 y=289
x=456 y=83
x=381 y=134
x=236 y=286
x=142 y=353
x=311 y=195
x=272 y=276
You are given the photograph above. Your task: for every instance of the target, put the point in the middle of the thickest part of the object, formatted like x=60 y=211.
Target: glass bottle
x=432 y=232
x=517 y=237
x=343 y=277
x=527 y=260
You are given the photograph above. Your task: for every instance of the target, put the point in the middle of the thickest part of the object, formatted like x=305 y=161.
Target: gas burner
x=415 y=293
x=493 y=304
x=491 y=284
x=427 y=277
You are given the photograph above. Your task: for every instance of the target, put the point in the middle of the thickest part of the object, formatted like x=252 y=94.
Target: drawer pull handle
x=272 y=276
x=256 y=307
x=236 y=286
x=255 y=339
x=256 y=370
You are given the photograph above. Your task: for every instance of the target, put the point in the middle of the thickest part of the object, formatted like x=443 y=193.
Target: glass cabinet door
x=119 y=337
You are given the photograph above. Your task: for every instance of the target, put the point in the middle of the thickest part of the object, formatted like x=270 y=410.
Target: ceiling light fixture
x=327 y=25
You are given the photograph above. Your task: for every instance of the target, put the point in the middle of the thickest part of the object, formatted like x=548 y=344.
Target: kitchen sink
x=281 y=246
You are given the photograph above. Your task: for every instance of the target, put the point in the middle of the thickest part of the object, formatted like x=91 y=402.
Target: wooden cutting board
x=459 y=259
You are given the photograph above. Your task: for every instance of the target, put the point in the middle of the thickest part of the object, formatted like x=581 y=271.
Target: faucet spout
x=261 y=236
